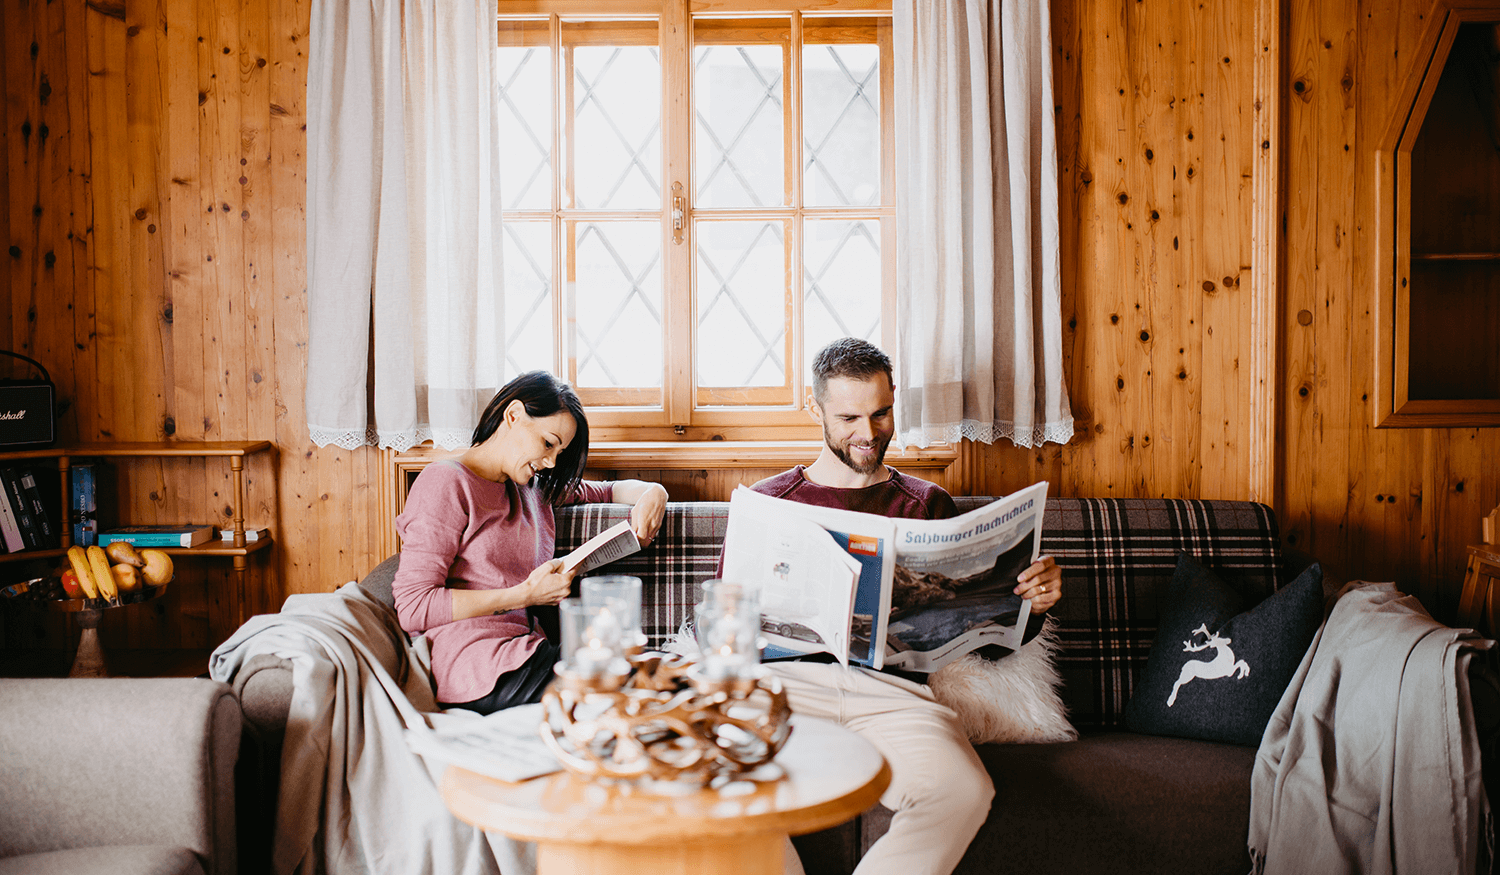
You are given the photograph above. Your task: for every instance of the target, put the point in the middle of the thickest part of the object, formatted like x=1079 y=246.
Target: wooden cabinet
x=1437 y=308
x=238 y=550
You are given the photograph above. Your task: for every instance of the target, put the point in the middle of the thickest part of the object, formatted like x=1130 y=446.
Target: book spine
x=148 y=539
x=38 y=509
x=9 y=530
x=85 y=509
x=20 y=507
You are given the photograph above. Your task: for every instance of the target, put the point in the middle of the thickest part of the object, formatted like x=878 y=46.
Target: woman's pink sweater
x=459 y=530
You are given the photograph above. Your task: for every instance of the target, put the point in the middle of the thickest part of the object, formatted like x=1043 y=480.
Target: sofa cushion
x=1115 y=802
x=106 y=860
x=1217 y=669
x=1118 y=556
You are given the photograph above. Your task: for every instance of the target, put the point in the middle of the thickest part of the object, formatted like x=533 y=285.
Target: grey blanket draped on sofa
x=1371 y=761
x=354 y=797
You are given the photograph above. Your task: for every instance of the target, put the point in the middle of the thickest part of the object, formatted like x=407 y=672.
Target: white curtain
x=979 y=324
x=403 y=221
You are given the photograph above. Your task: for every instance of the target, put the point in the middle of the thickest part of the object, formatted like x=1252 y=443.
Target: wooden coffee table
x=587 y=828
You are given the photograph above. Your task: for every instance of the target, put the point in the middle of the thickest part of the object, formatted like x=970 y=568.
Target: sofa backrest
x=1117 y=554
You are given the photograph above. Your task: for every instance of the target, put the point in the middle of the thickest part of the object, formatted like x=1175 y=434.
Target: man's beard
x=841 y=451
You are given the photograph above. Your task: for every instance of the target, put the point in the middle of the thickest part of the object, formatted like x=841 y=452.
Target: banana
x=103 y=577
x=78 y=558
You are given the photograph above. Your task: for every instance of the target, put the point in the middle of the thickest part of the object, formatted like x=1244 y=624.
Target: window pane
x=841 y=293
x=738 y=111
x=526 y=125
x=616 y=127
x=527 y=250
x=841 y=125
x=617 y=308
x=741 y=303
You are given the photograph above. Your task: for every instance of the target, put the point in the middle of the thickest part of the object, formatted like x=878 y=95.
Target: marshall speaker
x=27 y=417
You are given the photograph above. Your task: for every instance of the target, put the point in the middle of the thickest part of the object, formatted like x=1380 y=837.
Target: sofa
x=118 y=776
x=1112 y=801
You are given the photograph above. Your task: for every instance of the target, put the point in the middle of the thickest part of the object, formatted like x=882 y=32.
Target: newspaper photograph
x=928 y=591
x=823 y=575
x=955 y=580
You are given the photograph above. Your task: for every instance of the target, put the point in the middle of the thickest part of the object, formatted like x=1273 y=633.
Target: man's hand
x=1042 y=583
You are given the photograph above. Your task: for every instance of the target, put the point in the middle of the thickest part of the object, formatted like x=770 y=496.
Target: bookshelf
x=234 y=452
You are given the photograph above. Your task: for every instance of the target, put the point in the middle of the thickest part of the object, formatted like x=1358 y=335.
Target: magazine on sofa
x=503 y=745
x=927 y=591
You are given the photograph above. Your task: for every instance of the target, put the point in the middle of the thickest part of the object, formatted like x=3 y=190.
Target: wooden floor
x=120 y=663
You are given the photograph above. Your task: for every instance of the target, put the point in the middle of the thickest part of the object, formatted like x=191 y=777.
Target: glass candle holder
x=571 y=622
x=727 y=626
x=620 y=596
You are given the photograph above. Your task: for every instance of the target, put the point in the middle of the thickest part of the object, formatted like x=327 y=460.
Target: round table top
x=830 y=775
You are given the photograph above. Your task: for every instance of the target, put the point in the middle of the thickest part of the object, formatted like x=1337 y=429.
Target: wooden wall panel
x=1374 y=504
x=157 y=266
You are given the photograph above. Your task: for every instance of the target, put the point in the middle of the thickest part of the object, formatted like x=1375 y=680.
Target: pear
x=124 y=552
x=127 y=576
x=158 y=567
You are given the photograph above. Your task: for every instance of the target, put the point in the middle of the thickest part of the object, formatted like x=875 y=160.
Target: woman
x=477 y=537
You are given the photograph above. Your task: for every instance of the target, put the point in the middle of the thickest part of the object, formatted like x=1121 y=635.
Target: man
x=940 y=792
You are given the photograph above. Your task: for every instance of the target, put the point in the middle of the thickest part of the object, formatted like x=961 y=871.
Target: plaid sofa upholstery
x=684 y=554
x=1117 y=554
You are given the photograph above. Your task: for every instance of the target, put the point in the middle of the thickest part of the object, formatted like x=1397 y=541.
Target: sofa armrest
x=119 y=761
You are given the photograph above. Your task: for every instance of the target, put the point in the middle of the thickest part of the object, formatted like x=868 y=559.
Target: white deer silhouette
x=1221 y=666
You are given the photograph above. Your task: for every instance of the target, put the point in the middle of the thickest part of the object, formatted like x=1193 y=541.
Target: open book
x=915 y=594
x=615 y=542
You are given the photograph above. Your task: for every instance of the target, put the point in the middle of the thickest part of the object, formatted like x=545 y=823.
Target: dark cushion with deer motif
x=1218 y=666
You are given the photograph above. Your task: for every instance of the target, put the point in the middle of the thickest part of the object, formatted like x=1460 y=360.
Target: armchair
x=117 y=775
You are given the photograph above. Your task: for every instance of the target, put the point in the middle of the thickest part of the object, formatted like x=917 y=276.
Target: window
x=694 y=205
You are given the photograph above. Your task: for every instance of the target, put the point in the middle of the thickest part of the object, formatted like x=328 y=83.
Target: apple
x=70 y=584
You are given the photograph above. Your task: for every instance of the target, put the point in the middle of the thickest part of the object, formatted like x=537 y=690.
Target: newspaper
x=506 y=744
x=914 y=594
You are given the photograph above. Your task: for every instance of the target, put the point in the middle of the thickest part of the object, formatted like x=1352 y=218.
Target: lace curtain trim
x=400 y=441
x=1050 y=432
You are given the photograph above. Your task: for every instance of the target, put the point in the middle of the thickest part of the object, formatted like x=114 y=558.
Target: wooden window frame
x=687 y=412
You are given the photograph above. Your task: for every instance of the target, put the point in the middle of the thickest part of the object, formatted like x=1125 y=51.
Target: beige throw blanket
x=1371 y=762
x=354 y=798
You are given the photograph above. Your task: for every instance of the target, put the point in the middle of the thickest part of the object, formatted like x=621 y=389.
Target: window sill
x=673 y=455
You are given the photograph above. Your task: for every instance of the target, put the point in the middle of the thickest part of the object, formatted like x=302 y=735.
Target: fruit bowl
x=146 y=593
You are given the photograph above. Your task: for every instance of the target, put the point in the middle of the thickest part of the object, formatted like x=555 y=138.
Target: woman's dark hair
x=543 y=395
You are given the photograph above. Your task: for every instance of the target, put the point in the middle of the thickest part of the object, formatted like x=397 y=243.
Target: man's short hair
x=851 y=358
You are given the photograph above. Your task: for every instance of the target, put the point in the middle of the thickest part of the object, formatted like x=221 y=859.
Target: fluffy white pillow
x=1001 y=701
x=1008 y=700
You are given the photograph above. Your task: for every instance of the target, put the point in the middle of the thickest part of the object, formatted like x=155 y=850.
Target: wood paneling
x=154 y=176
x=1377 y=504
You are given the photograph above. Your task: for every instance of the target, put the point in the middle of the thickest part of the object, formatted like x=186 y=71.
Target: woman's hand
x=1042 y=583
x=548 y=584
x=648 y=506
x=648 y=512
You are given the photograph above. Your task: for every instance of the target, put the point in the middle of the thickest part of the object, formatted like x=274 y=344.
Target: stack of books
x=25 y=523
x=160 y=536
